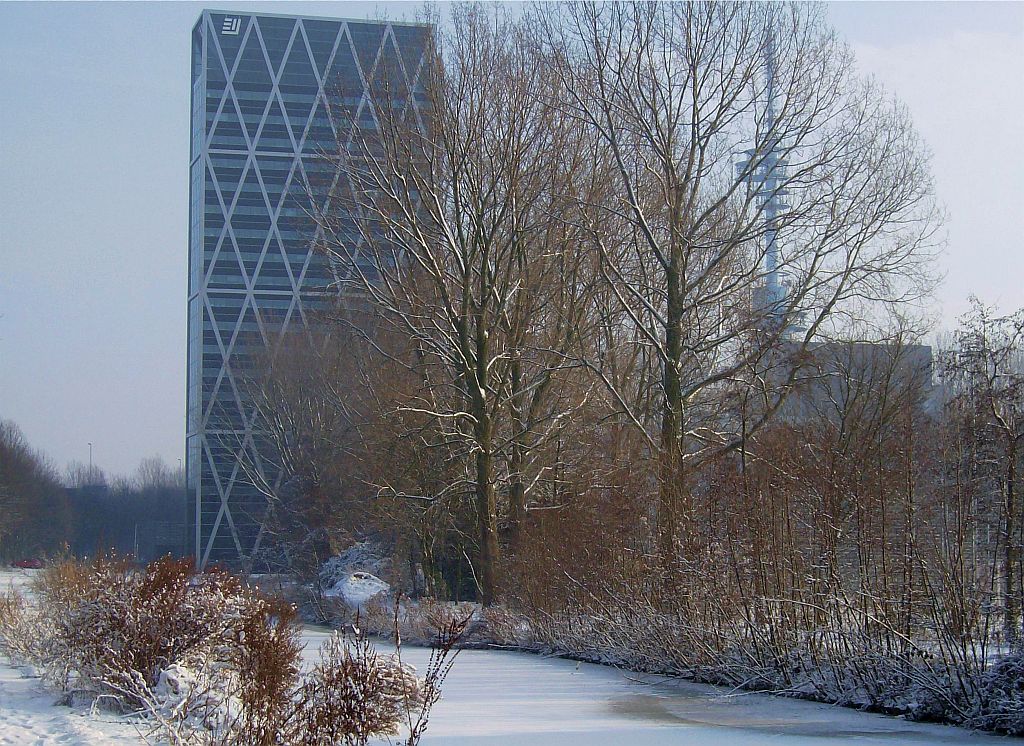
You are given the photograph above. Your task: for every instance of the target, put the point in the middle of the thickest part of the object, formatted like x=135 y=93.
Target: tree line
x=81 y=511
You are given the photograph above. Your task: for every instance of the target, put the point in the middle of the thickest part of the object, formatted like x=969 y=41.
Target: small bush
x=426 y=620
x=506 y=627
x=19 y=639
x=351 y=695
x=208 y=659
x=1002 y=696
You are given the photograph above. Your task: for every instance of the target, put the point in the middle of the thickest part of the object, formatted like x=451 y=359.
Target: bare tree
x=461 y=245
x=153 y=473
x=985 y=373
x=680 y=198
x=77 y=474
x=336 y=457
x=729 y=181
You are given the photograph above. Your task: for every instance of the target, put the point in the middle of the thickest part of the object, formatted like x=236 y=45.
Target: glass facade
x=260 y=85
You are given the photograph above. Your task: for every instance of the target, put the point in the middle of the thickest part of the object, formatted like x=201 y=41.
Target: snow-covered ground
x=29 y=715
x=497 y=698
x=16 y=579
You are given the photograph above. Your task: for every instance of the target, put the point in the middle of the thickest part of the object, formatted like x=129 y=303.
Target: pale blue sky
x=94 y=190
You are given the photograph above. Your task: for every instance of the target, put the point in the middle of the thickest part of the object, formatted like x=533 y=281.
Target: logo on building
x=231 y=26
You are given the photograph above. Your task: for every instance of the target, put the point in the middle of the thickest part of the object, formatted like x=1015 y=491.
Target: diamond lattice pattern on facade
x=260 y=117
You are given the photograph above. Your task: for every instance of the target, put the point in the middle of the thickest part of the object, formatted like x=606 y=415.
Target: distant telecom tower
x=766 y=178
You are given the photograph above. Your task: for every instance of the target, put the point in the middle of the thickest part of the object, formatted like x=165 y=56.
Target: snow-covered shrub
x=356 y=588
x=198 y=702
x=346 y=584
x=504 y=626
x=1002 y=696
x=833 y=646
x=208 y=659
x=113 y=626
x=261 y=649
x=363 y=556
x=352 y=694
x=377 y=617
x=20 y=640
x=423 y=621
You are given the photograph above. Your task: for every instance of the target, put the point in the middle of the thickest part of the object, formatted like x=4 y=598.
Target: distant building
x=834 y=374
x=259 y=89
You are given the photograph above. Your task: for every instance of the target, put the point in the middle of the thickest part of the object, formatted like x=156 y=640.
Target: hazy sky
x=94 y=194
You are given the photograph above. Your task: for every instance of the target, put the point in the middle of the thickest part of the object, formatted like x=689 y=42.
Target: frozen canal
x=500 y=698
x=497 y=698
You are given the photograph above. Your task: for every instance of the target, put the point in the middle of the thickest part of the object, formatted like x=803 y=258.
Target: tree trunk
x=670 y=489
x=1012 y=618
x=488 y=526
x=516 y=498
x=517 y=487
x=486 y=502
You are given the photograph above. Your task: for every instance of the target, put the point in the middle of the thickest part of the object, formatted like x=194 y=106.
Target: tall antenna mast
x=774 y=173
x=766 y=179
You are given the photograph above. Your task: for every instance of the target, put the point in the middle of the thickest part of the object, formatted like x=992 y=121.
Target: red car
x=28 y=564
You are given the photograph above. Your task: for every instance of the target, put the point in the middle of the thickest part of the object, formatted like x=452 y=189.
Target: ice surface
x=515 y=699
x=496 y=698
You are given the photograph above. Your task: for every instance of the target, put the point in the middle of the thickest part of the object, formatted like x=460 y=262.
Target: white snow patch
x=28 y=715
x=356 y=588
x=365 y=556
x=16 y=579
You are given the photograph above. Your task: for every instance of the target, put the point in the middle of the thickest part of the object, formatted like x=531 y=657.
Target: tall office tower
x=260 y=87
